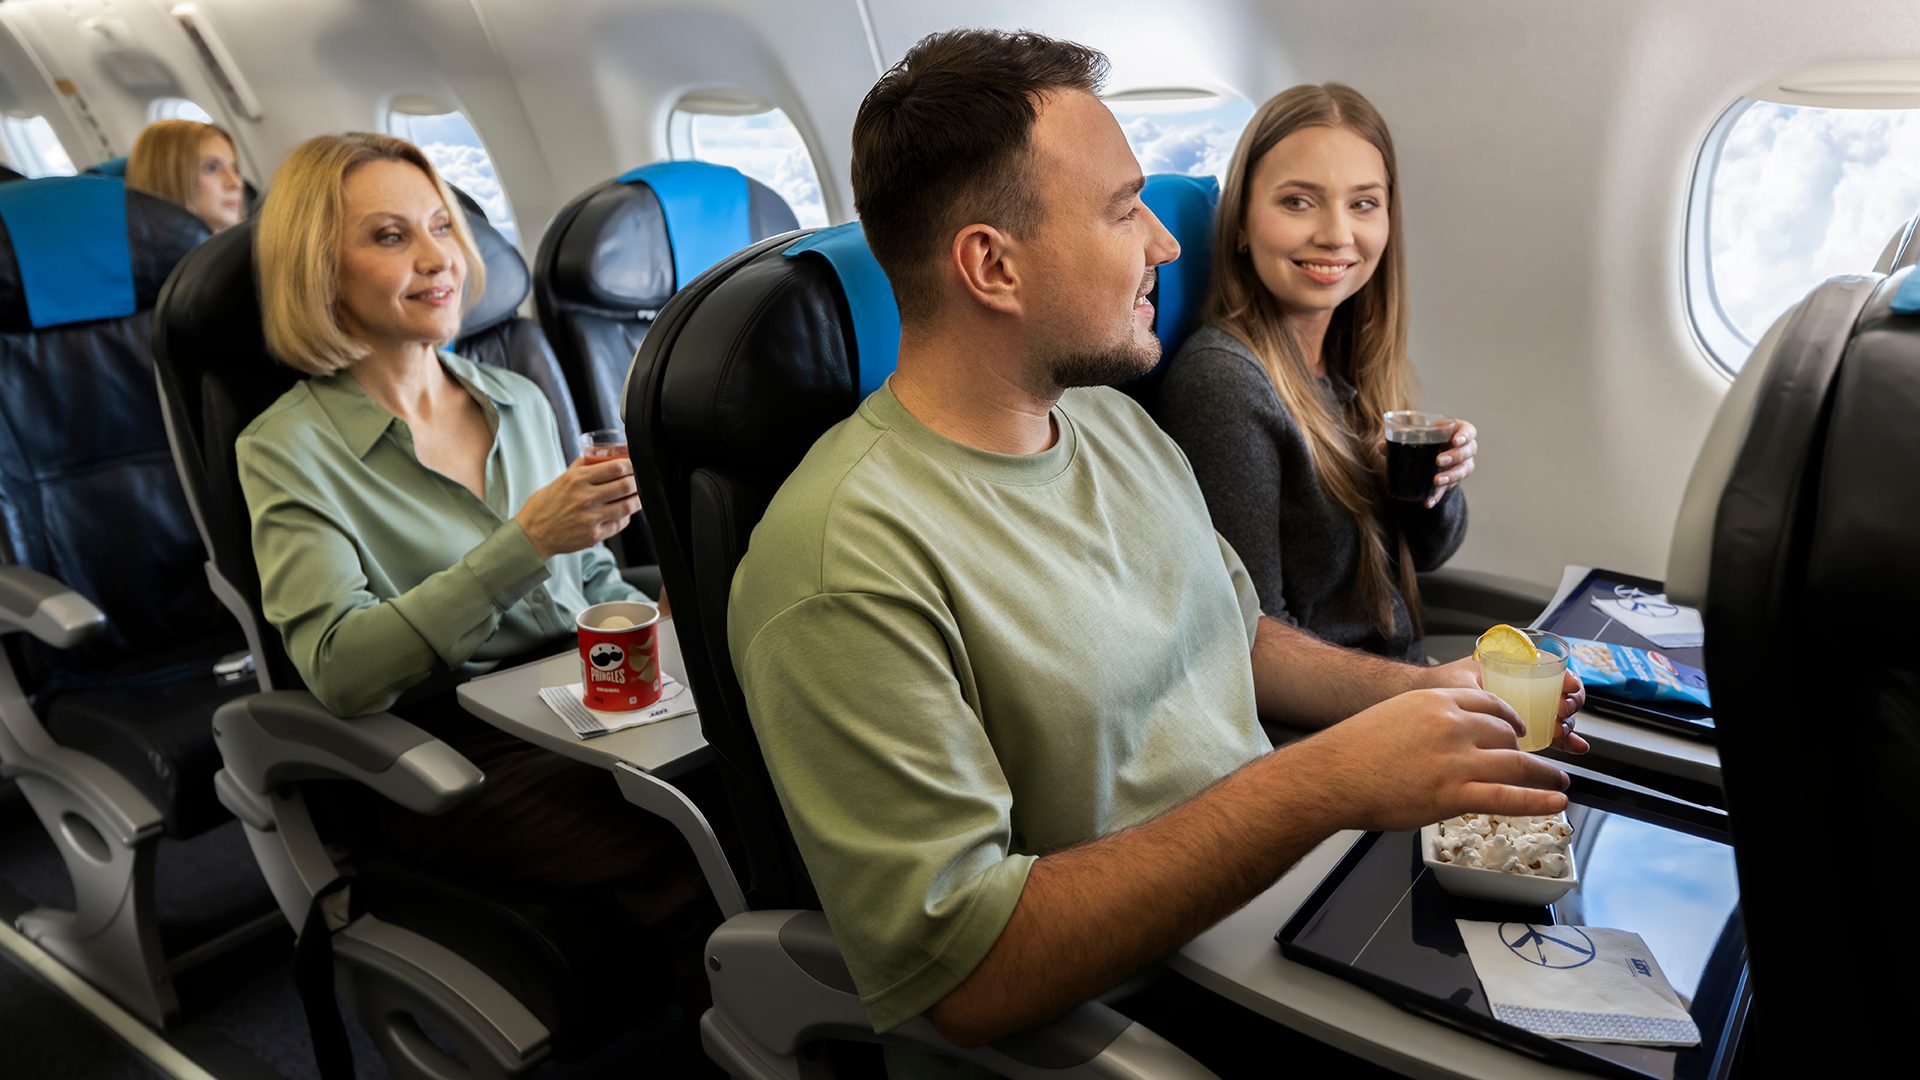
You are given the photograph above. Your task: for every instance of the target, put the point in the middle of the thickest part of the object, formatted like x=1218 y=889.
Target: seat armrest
x=1469 y=601
x=281 y=736
x=779 y=983
x=50 y=611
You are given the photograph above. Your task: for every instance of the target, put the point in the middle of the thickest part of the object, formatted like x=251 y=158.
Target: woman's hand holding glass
x=1455 y=462
x=588 y=504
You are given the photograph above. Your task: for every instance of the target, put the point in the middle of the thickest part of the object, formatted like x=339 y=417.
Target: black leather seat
x=555 y=954
x=607 y=264
x=1810 y=597
x=86 y=468
x=743 y=372
x=91 y=500
x=494 y=332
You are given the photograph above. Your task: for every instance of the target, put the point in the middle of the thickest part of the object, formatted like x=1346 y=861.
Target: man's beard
x=1107 y=367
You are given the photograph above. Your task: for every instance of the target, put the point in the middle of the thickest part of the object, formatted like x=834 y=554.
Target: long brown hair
x=1366 y=342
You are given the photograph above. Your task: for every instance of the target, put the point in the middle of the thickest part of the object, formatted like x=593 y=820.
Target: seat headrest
x=507 y=279
x=79 y=248
x=114 y=166
x=209 y=326
x=1185 y=205
x=778 y=342
x=872 y=313
x=1776 y=400
x=638 y=239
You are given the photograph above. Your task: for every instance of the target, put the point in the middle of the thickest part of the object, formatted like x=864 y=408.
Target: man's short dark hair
x=942 y=141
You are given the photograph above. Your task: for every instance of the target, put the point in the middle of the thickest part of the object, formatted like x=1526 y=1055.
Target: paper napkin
x=1577 y=982
x=588 y=723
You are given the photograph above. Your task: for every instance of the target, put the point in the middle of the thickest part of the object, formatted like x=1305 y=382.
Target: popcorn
x=1536 y=846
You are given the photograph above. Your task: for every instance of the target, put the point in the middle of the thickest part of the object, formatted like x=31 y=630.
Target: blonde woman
x=415 y=522
x=1278 y=399
x=192 y=164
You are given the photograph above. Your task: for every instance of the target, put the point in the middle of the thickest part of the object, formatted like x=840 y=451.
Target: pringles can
x=619 y=655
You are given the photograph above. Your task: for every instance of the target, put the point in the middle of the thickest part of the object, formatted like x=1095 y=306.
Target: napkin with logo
x=1667 y=624
x=1577 y=982
x=587 y=723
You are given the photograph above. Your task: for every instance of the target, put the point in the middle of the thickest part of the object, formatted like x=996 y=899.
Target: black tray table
x=1660 y=868
x=1576 y=617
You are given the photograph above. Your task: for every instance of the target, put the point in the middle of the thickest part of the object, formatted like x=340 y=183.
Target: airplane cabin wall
x=77 y=40
x=600 y=77
x=1546 y=156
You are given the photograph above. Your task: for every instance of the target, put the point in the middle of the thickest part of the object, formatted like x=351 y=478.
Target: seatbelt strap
x=313 y=979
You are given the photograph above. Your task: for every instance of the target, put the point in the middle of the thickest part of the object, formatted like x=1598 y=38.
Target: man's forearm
x=1302 y=681
x=1093 y=915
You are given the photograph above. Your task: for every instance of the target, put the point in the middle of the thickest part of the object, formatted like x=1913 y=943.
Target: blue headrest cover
x=1907 y=300
x=1185 y=205
x=113 y=166
x=706 y=210
x=876 y=318
x=69 y=237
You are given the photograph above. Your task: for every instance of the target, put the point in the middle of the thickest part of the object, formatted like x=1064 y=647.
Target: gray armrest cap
x=42 y=606
x=281 y=736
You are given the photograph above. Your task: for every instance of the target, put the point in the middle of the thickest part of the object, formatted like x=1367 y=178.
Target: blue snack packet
x=1625 y=673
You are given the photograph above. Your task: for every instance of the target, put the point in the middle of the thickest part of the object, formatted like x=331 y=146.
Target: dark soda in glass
x=1412 y=465
x=1414 y=443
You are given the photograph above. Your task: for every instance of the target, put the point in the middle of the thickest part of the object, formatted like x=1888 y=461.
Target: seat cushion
x=159 y=737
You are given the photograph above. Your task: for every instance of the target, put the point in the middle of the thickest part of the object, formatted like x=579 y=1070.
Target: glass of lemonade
x=1530 y=686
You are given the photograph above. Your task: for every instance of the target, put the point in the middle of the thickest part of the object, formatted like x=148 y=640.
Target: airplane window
x=449 y=141
x=1190 y=132
x=1792 y=196
x=33 y=147
x=764 y=145
x=174 y=108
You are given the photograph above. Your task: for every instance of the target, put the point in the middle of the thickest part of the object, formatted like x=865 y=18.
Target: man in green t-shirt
x=1007 y=679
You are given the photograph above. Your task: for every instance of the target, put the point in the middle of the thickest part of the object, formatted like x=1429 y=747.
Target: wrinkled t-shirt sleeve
x=1242 y=588
x=894 y=794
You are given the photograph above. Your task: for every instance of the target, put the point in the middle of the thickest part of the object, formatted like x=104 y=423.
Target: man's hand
x=1429 y=755
x=1465 y=674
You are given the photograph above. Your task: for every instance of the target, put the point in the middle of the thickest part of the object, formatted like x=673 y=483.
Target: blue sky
x=1802 y=194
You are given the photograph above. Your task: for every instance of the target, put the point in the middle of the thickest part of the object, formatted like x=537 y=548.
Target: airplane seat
x=494 y=332
x=1185 y=205
x=113 y=166
x=614 y=255
x=1795 y=538
x=742 y=372
x=108 y=683
x=507 y=976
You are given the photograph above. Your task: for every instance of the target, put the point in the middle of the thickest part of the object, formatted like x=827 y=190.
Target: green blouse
x=380 y=572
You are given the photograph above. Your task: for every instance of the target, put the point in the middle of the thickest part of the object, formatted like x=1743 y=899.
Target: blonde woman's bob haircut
x=165 y=159
x=296 y=248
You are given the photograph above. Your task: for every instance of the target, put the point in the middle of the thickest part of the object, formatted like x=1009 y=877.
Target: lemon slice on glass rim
x=1503 y=642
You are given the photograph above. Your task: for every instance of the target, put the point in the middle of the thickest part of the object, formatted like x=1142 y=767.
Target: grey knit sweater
x=1253 y=465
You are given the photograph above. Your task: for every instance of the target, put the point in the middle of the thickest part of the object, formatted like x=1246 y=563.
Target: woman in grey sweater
x=1278 y=399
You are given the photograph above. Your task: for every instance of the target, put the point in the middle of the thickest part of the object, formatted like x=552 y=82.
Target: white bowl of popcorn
x=1515 y=860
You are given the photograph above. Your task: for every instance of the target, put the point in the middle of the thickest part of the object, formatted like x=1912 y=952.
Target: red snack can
x=620 y=664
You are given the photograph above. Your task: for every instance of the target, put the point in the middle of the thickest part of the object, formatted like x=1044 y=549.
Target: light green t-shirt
x=378 y=571
x=957 y=661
